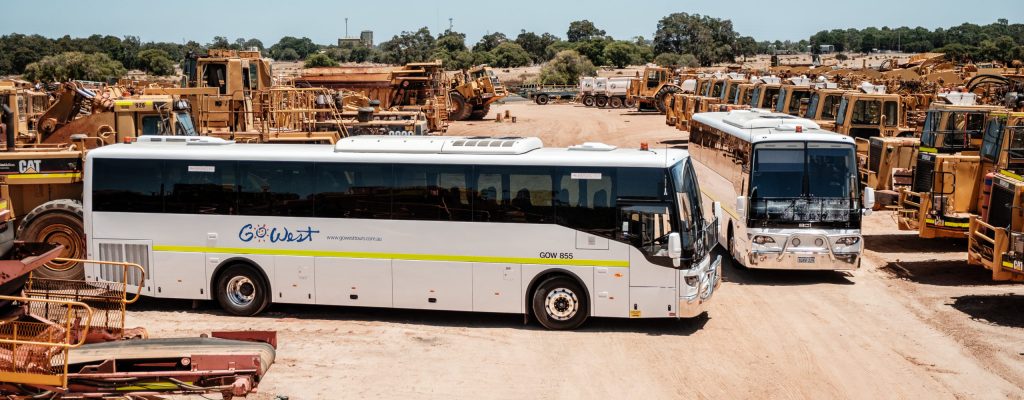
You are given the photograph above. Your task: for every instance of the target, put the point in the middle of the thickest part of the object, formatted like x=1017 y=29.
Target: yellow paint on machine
x=947 y=224
x=69 y=175
x=394 y=256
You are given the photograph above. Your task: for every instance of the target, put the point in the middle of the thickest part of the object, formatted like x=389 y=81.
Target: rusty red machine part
x=66 y=340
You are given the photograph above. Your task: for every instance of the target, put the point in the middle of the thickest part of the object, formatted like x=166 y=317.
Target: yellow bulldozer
x=996 y=231
x=41 y=170
x=473 y=92
x=654 y=89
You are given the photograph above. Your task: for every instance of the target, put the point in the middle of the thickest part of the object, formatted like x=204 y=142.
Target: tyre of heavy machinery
x=57 y=222
x=460 y=109
x=629 y=103
x=615 y=102
x=588 y=101
x=480 y=113
x=601 y=102
x=661 y=99
x=542 y=99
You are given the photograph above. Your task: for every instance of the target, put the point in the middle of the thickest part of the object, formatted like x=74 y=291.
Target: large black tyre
x=664 y=95
x=57 y=222
x=601 y=102
x=588 y=101
x=241 y=290
x=480 y=112
x=542 y=99
x=560 y=303
x=460 y=110
x=630 y=102
x=615 y=102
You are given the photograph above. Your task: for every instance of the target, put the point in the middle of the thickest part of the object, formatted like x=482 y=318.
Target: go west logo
x=263 y=233
x=29 y=166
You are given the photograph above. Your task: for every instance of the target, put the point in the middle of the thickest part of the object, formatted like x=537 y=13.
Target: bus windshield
x=803 y=182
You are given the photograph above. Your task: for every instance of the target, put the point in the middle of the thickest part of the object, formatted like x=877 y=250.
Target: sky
x=324 y=20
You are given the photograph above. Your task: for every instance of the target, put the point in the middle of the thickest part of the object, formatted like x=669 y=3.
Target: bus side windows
x=127 y=186
x=432 y=193
x=200 y=187
x=353 y=191
x=515 y=194
x=275 y=189
x=587 y=204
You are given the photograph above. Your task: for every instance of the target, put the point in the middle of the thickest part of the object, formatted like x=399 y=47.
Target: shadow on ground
x=652 y=327
x=731 y=272
x=941 y=273
x=1003 y=309
x=904 y=243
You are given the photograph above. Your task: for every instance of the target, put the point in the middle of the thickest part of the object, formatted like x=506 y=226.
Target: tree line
x=680 y=39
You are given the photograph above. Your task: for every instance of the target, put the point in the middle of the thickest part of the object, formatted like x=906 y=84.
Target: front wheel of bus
x=560 y=303
x=242 y=291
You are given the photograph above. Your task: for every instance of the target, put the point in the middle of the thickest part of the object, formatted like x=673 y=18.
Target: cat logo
x=29 y=166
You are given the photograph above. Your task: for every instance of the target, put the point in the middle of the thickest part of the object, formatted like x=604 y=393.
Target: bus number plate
x=805 y=260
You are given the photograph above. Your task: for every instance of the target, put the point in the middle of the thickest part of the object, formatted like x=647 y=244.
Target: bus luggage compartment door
x=433 y=285
x=293 y=280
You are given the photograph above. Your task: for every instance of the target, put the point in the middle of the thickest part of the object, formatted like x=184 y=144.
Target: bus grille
x=999 y=210
x=875 y=155
x=123 y=252
x=923 y=174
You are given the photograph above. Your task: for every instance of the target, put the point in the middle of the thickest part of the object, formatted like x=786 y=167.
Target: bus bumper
x=705 y=280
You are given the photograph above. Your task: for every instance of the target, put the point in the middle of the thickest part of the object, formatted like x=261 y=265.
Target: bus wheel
x=241 y=291
x=560 y=303
x=57 y=222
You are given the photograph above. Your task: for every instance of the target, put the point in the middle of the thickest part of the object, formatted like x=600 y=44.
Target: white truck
x=615 y=93
x=587 y=90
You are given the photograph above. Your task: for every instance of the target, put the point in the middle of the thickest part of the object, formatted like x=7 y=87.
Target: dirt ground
x=914 y=322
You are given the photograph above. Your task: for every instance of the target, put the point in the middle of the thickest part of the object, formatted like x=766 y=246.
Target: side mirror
x=741 y=205
x=675 y=247
x=869 y=198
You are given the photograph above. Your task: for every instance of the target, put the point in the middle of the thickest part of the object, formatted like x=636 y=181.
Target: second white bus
x=796 y=188
x=448 y=223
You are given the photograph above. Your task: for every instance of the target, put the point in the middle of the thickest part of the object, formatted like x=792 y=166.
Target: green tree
x=288 y=54
x=583 y=31
x=710 y=39
x=302 y=47
x=408 y=47
x=535 y=44
x=622 y=53
x=155 y=62
x=566 y=68
x=593 y=49
x=677 y=60
x=510 y=55
x=320 y=60
x=75 y=66
x=219 y=42
x=490 y=42
x=451 y=41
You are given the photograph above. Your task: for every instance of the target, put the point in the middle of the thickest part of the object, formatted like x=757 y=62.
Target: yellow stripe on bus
x=72 y=175
x=394 y=256
x=719 y=202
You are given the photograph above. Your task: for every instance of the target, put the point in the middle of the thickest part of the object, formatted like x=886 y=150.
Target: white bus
x=449 y=223
x=796 y=188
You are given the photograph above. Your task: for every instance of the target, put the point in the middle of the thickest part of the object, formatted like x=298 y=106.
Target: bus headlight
x=848 y=240
x=760 y=239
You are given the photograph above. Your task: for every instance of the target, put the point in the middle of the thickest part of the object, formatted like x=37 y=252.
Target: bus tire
x=241 y=290
x=542 y=99
x=560 y=303
x=57 y=222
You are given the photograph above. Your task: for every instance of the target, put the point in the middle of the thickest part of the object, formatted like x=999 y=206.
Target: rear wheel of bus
x=241 y=290
x=560 y=303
